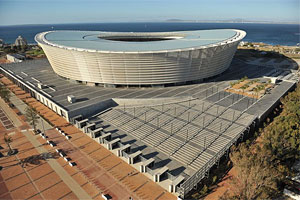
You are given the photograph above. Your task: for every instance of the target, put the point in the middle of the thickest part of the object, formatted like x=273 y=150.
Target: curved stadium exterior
x=138 y=59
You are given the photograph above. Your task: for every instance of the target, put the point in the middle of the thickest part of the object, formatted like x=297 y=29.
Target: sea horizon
x=161 y=21
x=273 y=34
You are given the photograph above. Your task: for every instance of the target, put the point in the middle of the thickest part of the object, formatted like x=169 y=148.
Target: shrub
x=214 y=179
x=204 y=190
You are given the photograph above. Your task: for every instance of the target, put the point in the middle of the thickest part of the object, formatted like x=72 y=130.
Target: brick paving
x=95 y=165
x=5 y=120
x=33 y=181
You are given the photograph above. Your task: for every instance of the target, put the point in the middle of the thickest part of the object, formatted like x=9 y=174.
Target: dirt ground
x=222 y=187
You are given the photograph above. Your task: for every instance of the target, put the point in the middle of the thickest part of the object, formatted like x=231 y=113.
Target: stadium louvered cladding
x=139 y=59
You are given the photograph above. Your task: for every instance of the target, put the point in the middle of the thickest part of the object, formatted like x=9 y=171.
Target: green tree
x=214 y=179
x=255 y=91
x=282 y=136
x=243 y=88
x=232 y=84
x=204 y=190
x=32 y=117
x=263 y=166
x=5 y=93
x=8 y=140
x=257 y=175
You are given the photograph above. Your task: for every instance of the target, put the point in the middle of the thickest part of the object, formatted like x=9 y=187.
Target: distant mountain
x=175 y=20
x=237 y=20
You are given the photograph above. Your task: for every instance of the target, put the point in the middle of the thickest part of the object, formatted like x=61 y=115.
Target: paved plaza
x=97 y=170
x=43 y=179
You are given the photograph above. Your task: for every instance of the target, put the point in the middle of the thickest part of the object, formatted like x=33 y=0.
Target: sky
x=15 y=12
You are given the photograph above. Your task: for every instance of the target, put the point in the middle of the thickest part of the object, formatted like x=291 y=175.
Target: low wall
x=276 y=102
x=150 y=102
x=93 y=109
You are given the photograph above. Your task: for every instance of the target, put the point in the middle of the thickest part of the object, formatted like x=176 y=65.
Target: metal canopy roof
x=90 y=40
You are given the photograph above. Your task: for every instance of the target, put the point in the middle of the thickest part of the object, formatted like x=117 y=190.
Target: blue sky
x=80 y=11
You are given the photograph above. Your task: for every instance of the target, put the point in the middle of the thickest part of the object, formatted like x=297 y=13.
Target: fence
x=192 y=181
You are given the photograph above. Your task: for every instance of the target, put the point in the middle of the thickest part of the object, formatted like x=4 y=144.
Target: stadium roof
x=136 y=41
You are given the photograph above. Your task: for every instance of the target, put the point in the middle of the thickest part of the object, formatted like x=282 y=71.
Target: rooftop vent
x=40 y=86
x=274 y=80
x=71 y=99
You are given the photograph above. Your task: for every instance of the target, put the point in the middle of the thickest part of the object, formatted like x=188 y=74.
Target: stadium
x=173 y=135
x=118 y=59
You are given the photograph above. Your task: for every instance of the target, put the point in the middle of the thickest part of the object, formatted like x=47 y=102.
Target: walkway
x=11 y=116
x=67 y=179
x=42 y=180
x=108 y=173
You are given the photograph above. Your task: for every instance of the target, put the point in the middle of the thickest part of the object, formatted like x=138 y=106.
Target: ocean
x=275 y=34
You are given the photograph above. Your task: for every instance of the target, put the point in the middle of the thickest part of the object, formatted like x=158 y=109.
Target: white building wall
x=141 y=68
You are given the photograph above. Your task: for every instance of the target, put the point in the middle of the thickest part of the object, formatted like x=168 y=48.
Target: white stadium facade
x=154 y=59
